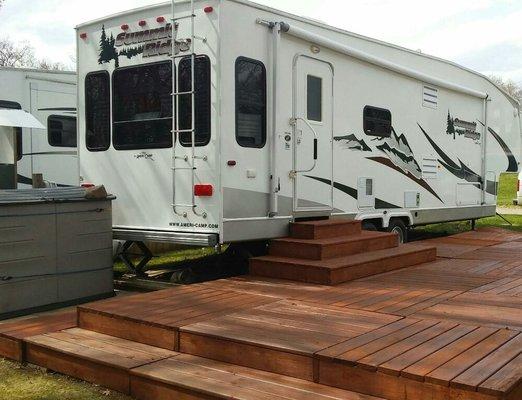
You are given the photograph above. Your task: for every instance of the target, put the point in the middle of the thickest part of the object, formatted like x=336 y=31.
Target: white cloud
x=452 y=29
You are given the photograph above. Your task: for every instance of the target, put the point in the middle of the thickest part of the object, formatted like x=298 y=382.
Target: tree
x=12 y=55
x=511 y=87
x=22 y=56
x=450 y=130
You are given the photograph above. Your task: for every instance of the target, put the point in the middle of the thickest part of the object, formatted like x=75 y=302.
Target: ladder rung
x=184 y=205
x=185 y=168
x=182 y=93
x=183 y=56
x=184 y=131
x=184 y=17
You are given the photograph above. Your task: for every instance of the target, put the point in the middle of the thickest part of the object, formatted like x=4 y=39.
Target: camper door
x=313 y=134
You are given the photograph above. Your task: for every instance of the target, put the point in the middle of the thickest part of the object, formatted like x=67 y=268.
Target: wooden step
x=320 y=249
x=155 y=318
x=343 y=269
x=12 y=333
x=189 y=377
x=280 y=337
x=427 y=359
x=323 y=229
x=91 y=356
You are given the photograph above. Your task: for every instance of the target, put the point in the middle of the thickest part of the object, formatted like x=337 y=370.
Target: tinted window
x=61 y=131
x=250 y=103
x=142 y=107
x=202 y=104
x=314 y=98
x=377 y=121
x=12 y=105
x=97 y=111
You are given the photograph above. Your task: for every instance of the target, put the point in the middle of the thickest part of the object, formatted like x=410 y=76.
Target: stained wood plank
x=453 y=368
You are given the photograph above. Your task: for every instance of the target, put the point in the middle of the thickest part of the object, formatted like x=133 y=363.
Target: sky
x=484 y=35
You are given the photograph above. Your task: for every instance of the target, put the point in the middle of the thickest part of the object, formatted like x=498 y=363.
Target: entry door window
x=314 y=98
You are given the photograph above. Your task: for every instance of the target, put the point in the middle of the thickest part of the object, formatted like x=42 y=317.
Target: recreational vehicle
x=51 y=97
x=221 y=121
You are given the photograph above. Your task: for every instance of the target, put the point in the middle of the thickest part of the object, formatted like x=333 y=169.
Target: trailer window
x=377 y=121
x=12 y=105
x=250 y=103
x=97 y=111
x=314 y=98
x=142 y=107
x=202 y=103
x=61 y=131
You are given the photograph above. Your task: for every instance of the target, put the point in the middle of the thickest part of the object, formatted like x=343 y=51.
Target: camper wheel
x=399 y=227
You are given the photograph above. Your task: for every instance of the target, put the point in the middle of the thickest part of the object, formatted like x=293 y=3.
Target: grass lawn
x=507 y=189
x=26 y=383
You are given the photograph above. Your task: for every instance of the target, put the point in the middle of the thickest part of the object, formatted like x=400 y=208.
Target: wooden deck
x=446 y=329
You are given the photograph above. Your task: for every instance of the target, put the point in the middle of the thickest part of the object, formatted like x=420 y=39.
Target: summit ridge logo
x=147 y=42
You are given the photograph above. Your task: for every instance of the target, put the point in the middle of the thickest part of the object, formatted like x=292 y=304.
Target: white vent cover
x=430 y=96
x=430 y=168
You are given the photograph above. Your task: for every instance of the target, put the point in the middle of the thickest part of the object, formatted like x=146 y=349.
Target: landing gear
x=126 y=256
x=399 y=227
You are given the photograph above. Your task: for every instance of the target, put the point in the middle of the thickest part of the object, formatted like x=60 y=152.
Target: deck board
x=443 y=330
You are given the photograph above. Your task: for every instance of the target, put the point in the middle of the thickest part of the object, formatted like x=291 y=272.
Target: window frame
x=105 y=148
x=321 y=80
x=113 y=100
x=365 y=121
x=236 y=105
x=13 y=105
x=57 y=116
x=209 y=99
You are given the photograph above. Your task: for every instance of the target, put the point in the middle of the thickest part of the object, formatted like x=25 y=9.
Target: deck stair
x=443 y=330
x=331 y=252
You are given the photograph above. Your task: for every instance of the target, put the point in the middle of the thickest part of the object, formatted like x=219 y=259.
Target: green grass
x=25 y=383
x=170 y=259
x=507 y=189
x=452 y=228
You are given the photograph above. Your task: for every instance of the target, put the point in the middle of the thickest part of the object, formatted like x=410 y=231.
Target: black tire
x=399 y=227
x=369 y=226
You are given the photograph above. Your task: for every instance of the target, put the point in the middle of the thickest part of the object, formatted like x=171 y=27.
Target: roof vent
x=430 y=96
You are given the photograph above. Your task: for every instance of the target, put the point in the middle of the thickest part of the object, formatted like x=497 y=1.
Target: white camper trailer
x=50 y=96
x=278 y=117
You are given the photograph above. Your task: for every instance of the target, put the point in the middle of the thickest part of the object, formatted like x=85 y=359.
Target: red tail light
x=87 y=185
x=203 y=190
x=208 y=9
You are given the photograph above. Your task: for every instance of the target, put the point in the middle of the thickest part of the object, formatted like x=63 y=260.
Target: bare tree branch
x=511 y=87
x=12 y=55
x=22 y=56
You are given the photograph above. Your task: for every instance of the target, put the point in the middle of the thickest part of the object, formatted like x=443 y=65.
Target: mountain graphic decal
x=352 y=143
x=400 y=153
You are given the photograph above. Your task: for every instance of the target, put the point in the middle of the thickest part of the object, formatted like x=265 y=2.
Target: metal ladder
x=175 y=112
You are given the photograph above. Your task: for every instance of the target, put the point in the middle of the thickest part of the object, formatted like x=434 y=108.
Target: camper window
x=250 y=103
x=97 y=111
x=142 y=107
x=314 y=98
x=12 y=105
x=61 y=131
x=202 y=95
x=377 y=121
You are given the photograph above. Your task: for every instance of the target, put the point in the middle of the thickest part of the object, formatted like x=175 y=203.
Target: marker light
x=160 y=19
x=208 y=9
x=203 y=190
x=124 y=27
x=83 y=35
x=142 y=23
